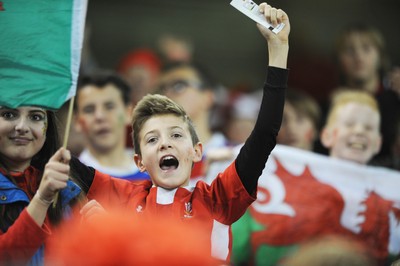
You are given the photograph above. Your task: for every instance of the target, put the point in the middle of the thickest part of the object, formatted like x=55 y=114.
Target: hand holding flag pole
x=66 y=136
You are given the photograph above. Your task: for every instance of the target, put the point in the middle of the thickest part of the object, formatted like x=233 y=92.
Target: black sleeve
x=252 y=157
x=82 y=174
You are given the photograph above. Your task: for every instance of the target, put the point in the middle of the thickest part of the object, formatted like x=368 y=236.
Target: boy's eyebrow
x=155 y=130
x=150 y=132
x=175 y=127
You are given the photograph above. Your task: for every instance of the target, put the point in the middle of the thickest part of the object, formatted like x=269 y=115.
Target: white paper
x=250 y=9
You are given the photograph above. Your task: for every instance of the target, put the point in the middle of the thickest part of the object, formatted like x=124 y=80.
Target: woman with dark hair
x=31 y=171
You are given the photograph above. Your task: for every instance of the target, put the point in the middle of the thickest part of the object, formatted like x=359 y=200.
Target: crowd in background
x=224 y=117
x=362 y=63
x=358 y=121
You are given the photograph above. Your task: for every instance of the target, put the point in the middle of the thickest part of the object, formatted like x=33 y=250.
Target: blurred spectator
x=241 y=116
x=175 y=48
x=117 y=238
x=363 y=65
x=140 y=68
x=102 y=115
x=329 y=251
x=361 y=58
x=301 y=121
x=351 y=131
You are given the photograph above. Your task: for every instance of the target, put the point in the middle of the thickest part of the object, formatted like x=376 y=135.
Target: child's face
x=297 y=129
x=167 y=151
x=102 y=117
x=354 y=135
x=359 y=59
x=22 y=135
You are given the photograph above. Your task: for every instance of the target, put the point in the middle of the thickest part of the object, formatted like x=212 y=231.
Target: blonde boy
x=352 y=128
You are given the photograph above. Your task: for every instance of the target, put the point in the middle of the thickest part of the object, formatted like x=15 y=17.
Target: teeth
x=168 y=158
x=357 y=146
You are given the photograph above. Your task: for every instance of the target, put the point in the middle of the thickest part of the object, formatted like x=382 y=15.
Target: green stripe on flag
x=40 y=46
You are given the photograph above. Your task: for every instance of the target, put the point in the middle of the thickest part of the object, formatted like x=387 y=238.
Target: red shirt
x=216 y=206
x=22 y=239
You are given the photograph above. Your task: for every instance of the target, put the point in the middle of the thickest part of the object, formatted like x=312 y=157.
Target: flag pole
x=69 y=118
x=66 y=136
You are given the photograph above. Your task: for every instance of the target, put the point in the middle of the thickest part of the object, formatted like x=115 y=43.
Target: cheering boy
x=167 y=146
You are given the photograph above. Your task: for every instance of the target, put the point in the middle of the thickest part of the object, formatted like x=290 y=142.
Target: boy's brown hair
x=344 y=96
x=152 y=105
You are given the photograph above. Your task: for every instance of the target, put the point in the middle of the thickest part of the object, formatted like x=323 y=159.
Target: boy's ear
x=139 y=163
x=327 y=137
x=198 y=150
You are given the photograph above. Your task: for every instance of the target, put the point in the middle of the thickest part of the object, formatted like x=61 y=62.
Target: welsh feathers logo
x=188 y=210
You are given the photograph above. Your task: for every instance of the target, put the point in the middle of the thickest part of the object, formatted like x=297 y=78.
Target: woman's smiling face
x=22 y=135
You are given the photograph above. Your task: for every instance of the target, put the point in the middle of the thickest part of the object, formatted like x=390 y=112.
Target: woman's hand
x=55 y=175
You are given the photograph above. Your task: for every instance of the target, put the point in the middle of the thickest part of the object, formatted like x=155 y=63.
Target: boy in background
x=301 y=118
x=352 y=128
x=102 y=111
x=352 y=133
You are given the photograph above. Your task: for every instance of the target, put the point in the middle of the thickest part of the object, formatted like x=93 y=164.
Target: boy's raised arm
x=254 y=154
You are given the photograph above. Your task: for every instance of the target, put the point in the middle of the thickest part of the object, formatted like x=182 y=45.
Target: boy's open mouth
x=168 y=162
x=357 y=145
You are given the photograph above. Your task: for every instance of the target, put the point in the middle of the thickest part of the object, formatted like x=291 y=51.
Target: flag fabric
x=302 y=195
x=40 y=51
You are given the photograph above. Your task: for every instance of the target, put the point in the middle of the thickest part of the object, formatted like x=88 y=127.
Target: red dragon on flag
x=303 y=195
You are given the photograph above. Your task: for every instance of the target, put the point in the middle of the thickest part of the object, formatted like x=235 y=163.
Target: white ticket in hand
x=251 y=9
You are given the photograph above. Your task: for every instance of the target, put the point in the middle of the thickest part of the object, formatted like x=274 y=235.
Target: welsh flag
x=40 y=51
x=302 y=195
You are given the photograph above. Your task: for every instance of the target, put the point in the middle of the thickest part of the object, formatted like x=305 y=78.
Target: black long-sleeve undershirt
x=252 y=157
x=82 y=174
